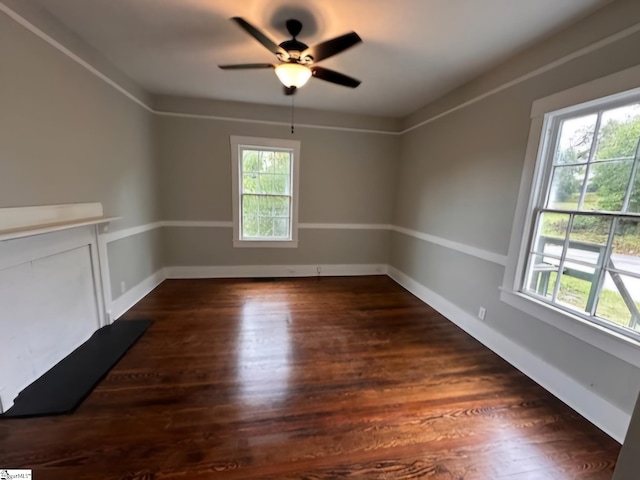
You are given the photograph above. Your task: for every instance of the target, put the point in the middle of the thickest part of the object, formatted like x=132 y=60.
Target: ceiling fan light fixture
x=293 y=74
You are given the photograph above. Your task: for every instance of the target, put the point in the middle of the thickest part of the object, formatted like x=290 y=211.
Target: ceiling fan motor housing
x=295 y=48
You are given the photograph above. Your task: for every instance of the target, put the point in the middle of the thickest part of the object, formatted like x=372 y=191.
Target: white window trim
x=610 y=88
x=239 y=141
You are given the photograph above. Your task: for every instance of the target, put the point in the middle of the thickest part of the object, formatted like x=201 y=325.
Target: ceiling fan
x=297 y=61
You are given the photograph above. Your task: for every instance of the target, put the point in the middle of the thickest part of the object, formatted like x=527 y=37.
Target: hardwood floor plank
x=317 y=378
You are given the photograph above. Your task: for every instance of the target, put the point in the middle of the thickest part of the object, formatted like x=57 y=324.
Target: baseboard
x=249 y=271
x=132 y=296
x=594 y=408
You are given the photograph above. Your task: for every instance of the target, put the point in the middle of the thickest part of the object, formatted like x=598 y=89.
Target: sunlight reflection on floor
x=264 y=351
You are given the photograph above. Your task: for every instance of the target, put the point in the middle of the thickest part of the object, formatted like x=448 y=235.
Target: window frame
x=238 y=143
x=616 y=89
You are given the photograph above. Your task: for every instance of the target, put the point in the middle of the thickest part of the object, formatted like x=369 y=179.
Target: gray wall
x=345 y=177
x=68 y=137
x=459 y=178
x=134 y=258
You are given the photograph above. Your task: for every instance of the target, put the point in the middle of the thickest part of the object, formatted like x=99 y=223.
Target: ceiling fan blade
x=261 y=37
x=331 y=47
x=334 y=77
x=245 y=66
x=289 y=90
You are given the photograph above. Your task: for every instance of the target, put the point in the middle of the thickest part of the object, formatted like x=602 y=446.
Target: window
x=265 y=192
x=580 y=252
x=584 y=255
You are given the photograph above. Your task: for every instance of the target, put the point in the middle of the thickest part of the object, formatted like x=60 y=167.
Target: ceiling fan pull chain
x=292 y=100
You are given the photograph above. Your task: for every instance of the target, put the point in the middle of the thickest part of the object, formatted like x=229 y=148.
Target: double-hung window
x=265 y=191
x=580 y=248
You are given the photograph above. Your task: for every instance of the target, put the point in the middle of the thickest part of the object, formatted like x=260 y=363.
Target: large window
x=265 y=173
x=583 y=248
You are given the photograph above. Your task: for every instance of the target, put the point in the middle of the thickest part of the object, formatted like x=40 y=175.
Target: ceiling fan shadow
x=309 y=18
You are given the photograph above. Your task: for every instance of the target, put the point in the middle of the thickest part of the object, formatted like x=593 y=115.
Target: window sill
x=265 y=244
x=609 y=341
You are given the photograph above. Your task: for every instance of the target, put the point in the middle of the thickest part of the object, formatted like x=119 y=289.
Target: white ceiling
x=412 y=52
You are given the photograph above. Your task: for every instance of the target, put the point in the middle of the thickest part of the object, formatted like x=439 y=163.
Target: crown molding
x=274 y=122
x=40 y=23
x=211 y=109
x=593 y=47
x=152 y=107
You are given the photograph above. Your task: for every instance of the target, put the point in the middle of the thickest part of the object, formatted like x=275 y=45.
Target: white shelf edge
x=21 y=232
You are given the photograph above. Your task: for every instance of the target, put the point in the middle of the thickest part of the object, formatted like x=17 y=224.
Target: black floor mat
x=70 y=381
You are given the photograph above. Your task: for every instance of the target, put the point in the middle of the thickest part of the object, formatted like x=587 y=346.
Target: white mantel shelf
x=22 y=232
x=20 y=222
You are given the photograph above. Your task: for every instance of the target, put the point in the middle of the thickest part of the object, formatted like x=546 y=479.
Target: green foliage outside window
x=266 y=194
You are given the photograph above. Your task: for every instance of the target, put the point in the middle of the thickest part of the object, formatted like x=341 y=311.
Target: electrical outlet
x=123 y=287
x=482 y=313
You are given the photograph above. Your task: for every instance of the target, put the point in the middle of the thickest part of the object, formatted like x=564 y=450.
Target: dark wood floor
x=310 y=378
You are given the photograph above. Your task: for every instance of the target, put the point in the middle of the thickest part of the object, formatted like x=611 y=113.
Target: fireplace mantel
x=52 y=274
x=19 y=222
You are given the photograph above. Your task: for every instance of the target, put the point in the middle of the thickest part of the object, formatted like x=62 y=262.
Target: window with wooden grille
x=265 y=175
x=583 y=254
